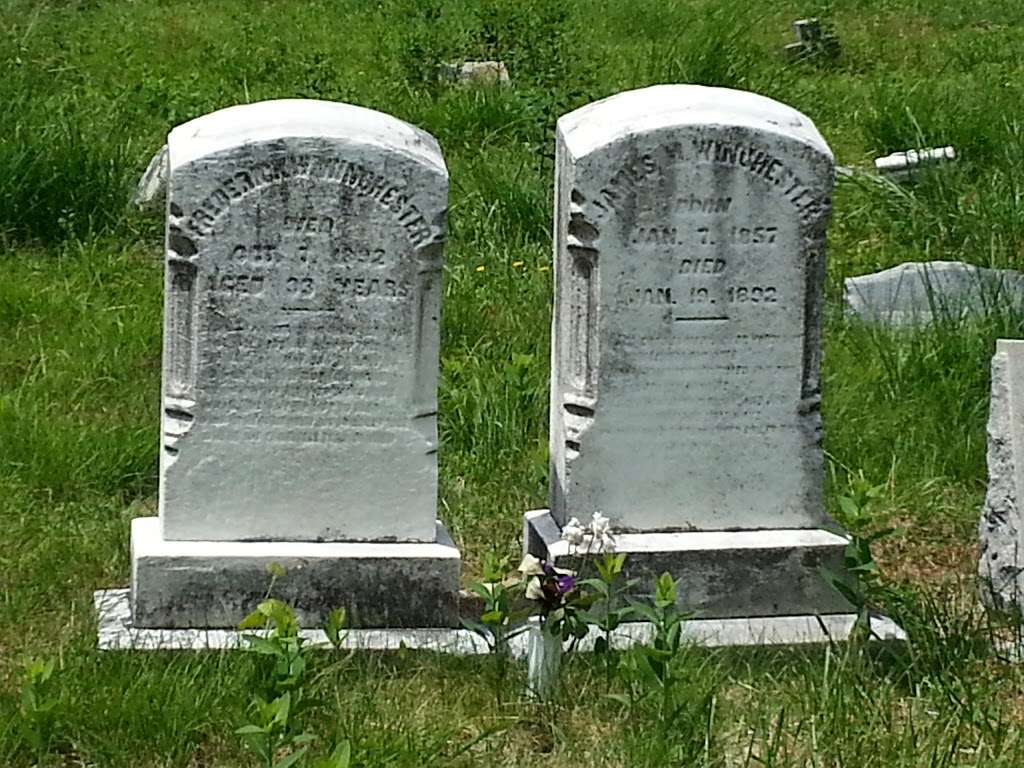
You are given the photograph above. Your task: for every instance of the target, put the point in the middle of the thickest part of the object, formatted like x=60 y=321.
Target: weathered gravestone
x=1001 y=530
x=303 y=284
x=685 y=392
x=917 y=293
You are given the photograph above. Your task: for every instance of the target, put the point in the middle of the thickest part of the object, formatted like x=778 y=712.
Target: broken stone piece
x=151 y=192
x=475 y=73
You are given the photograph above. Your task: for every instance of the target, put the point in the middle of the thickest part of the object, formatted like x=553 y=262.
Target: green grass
x=88 y=91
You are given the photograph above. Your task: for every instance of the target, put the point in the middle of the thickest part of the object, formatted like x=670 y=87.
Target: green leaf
x=334 y=625
x=483 y=590
x=341 y=757
x=263 y=645
x=492 y=617
x=255 y=620
x=849 y=508
x=249 y=730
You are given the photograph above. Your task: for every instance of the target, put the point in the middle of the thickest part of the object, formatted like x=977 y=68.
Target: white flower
x=531 y=566
x=533 y=590
x=574 y=532
x=601 y=531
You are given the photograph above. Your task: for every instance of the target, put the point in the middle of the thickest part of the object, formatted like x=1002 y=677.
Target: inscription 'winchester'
x=763 y=164
x=363 y=181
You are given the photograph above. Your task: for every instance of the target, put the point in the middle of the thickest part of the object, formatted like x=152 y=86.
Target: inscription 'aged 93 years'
x=690 y=267
x=302 y=309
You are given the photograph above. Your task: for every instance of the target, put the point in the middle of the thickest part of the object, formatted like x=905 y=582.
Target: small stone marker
x=475 y=73
x=303 y=283
x=1001 y=529
x=813 y=41
x=685 y=393
x=920 y=292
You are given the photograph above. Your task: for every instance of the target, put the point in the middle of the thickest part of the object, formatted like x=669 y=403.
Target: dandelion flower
x=517 y=263
x=481 y=268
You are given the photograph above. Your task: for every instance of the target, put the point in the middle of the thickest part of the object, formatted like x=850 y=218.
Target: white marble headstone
x=302 y=308
x=690 y=264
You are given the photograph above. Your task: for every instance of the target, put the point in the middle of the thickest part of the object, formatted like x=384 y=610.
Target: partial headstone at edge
x=1000 y=530
x=917 y=293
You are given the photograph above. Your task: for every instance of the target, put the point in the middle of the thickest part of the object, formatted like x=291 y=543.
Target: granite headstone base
x=207 y=585
x=724 y=574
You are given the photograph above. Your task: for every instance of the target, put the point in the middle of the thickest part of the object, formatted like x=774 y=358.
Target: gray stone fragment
x=475 y=73
x=814 y=41
x=920 y=292
x=1001 y=560
x=151 y=193
x=902 y=165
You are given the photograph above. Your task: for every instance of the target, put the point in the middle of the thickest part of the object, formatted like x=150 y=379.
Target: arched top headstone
x=690 y=233
x=302 y=311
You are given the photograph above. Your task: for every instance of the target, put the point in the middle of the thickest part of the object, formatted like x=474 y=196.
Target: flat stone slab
x=915 y=293
x=215 y=584
x=116 y=633
x=725 y=574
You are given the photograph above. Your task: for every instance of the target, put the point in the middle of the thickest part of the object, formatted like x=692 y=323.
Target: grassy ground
x=87 y=93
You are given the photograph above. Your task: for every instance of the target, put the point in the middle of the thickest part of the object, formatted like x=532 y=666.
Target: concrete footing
x=117 y=633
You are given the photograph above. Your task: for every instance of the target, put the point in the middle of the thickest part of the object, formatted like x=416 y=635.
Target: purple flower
x=566 y=584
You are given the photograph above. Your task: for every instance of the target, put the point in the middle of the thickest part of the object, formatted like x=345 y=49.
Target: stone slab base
x=725 y=574
x=117 y=633
x=210 y=585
